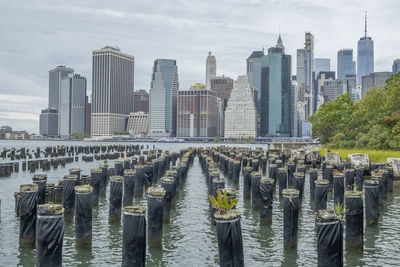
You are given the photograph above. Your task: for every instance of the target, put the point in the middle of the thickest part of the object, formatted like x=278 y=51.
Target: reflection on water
x=26 y=256
x=190 y=239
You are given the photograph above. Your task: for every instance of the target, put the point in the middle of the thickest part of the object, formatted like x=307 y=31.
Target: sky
x=38 y=35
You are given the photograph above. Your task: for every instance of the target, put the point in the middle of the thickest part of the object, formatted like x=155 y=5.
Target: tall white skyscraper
x=163 y=97
x=112 y=90
x=211 y=69
x=240 y=114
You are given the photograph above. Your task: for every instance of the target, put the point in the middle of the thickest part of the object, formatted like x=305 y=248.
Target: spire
x=365 y=24
x=279 y=44
x=209 y=53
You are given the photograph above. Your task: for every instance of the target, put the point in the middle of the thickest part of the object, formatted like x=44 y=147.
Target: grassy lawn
x=374 y=155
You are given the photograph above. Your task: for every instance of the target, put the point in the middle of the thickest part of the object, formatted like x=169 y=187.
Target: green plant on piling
x=355 y=187
x=222 y=203
x=340 y=209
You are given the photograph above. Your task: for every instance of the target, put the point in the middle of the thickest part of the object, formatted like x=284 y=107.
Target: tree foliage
x=78 y=136
x=121 y=133
x=370 y=123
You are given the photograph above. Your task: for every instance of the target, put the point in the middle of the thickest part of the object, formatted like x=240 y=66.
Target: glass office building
x=345 y=63
x=163 y=97
x=276 y=93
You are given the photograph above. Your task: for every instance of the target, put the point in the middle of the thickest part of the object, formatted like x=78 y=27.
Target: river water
x=190 y=239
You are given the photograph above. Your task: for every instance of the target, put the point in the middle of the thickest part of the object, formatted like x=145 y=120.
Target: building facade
x=310 y=98
x=276 y=93
x=211 y=69
x=375 y=79
x=350 y=83
x=163 y=97
x=223 y=87
x=294 y=116
x=365 y=55
x=49 y=122
x=112 y=91
x=319 y=83
x=138 y=123
x=333 y=89
x=253 y=68
x=240 y=114
x=72 y=111
x=396 y=66
x=55 y=76
x=141 y=101
x=221 y=117
x=345 y=63
x=197 y=112
x=88 y=119
x=301 y=74
x=321 y=64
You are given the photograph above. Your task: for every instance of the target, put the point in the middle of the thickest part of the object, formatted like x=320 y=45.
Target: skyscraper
x=294 y=116
x=321 y=64
x=301 y=74
x=55 y=77
x=211 y=69
x=333 y=89
x=365 y=55
x=163 y=94
x=345 y=63
x=197 y=112
x=350 y=83
x=311 y=99
x=72 y=109
x=88 y=118
x=141 y=101
x=254 y=71
x=112 y=90
x=322 y=77
x=396 y=66
x=374 y=79
x=240 y=114
x=223 y=87
x=276 y=93
x=48 y=125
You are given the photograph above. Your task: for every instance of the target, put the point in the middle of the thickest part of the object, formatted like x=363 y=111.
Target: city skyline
x=25 y=73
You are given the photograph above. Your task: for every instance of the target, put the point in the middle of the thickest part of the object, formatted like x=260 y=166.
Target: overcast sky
x=36 y=36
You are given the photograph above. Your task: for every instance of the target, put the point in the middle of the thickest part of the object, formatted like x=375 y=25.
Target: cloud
x=39 y=35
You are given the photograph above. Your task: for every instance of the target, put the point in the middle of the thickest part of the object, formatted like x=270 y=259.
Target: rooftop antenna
x=365 y=24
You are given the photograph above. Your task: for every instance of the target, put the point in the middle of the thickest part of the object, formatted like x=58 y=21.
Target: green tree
x=331 y=117
x=121 y=133
x=217 y=139
x=370 y=123
x=78 y=136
